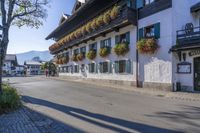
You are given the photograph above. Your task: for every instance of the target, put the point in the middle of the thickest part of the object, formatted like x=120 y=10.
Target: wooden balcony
x=126 y=17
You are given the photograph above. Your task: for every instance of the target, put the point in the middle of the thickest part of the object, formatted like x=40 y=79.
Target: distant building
x=10 y=64
x=33 y=67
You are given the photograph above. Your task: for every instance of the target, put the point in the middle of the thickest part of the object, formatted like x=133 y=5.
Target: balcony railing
x=188 y=36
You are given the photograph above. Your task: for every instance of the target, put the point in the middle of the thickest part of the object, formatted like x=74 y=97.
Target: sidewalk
x=189 y=96
x=26 y=120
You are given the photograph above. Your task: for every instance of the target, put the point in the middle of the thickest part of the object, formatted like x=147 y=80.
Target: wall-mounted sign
x=194 y=52
x=184 y=68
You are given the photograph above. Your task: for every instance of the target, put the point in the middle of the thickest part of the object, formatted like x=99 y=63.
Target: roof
x=11 y=57
x=196 y=7
x=88 y=2
x=184 y=47
x=32 y=63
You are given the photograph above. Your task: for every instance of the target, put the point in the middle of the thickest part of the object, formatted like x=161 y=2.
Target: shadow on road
x=84 y=115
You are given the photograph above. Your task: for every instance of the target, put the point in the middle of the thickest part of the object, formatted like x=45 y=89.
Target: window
x=122 y=38
x=93 y=46
x=106 y=43
x=147 y=2
x=123 y=66
x=92 y=68
x=76 y=69
x=67 y=69
x=83 y=50
x=76 y=51
x=149 y=31
x=104 y=67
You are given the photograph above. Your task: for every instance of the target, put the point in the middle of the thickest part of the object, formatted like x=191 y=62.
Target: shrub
x=147 y=46
x=121 y=49
x=99 y=21
x=106 y=17
x=104 y=52
x=9 y=99
x=91 y=54
x=80 y=57
x=114 y=12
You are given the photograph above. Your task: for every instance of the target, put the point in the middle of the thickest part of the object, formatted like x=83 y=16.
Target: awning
x=184 y=47
x=195 y=8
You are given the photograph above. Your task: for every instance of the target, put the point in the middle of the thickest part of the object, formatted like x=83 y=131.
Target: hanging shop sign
x=194 y=52
x=184 y=68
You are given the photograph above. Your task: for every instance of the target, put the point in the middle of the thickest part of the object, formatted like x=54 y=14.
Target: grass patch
x=9 y=99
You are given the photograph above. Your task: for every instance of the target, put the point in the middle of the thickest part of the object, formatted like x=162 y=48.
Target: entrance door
x=197 y=74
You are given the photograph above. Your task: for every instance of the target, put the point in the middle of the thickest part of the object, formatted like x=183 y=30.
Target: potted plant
x=115 y=12
x=106 y=17
x=91 y=54
x=104 y=52
x=121 y=49
x=80 y=56
x=147 y=46
x=99 y=21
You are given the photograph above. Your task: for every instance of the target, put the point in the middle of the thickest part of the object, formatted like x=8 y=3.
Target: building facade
x=144 y=43
x=10 y=64
x=33 y=68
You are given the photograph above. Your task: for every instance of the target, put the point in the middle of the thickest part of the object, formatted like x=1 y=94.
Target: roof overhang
x=177 y=48
x=195 y=8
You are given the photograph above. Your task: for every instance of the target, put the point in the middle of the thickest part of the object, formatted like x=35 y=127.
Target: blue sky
x=26 y=39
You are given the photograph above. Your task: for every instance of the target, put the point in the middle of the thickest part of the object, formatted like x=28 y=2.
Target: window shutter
x=101 y=44
x=78 y=68
x=117 y=39
x=141 y=33
x=110 y=67
x=96 y=67
x=128 y=66
x=116 y=66
x=157 y=30
x=140 y=3
x=89 y=66
x=101 y=67
x=128 y=37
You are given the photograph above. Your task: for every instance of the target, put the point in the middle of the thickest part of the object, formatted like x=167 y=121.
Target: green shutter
x=157 y=30
x=110 y=67
x=100 y=67
x=128 y=37
x=128 y=66
x=89 y=68
x=141 y=33
x=96 y=67
x=117 y=39
x=116 y=66
x=101 y=44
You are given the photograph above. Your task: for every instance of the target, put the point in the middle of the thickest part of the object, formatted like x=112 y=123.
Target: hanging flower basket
x=91 y=55
x=74 y=58
x=99 y=21
x=147 y=46
x=65 y=60
x=115 y=12
x=80 y=57
x=88 y=27
x=106 y=17
x=121 y=49
x=94 y=24
x=83 y=30
x=104 y=52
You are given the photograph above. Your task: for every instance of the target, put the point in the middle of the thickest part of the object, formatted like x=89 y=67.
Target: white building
x=33 y=67
x=172 y=65
x=10 y=64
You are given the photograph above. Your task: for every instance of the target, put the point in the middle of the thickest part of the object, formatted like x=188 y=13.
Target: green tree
x=49 y=65
x=20 y=13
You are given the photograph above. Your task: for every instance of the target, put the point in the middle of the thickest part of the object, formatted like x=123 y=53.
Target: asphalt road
x=95 y=109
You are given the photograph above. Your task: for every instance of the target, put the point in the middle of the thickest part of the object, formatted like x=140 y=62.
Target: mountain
x=43 y=55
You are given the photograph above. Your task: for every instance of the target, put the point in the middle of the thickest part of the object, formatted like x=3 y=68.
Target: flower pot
x=121 y=49
x=99 y=21
x=147 y=46
x=104 y=52
x=106 y=17
x=80 y=57
x=91 y=55
x=115 y=12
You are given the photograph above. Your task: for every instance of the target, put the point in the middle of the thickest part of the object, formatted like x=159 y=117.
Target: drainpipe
x=137 y=54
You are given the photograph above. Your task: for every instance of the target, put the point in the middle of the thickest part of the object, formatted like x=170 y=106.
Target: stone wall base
x=116 y=83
